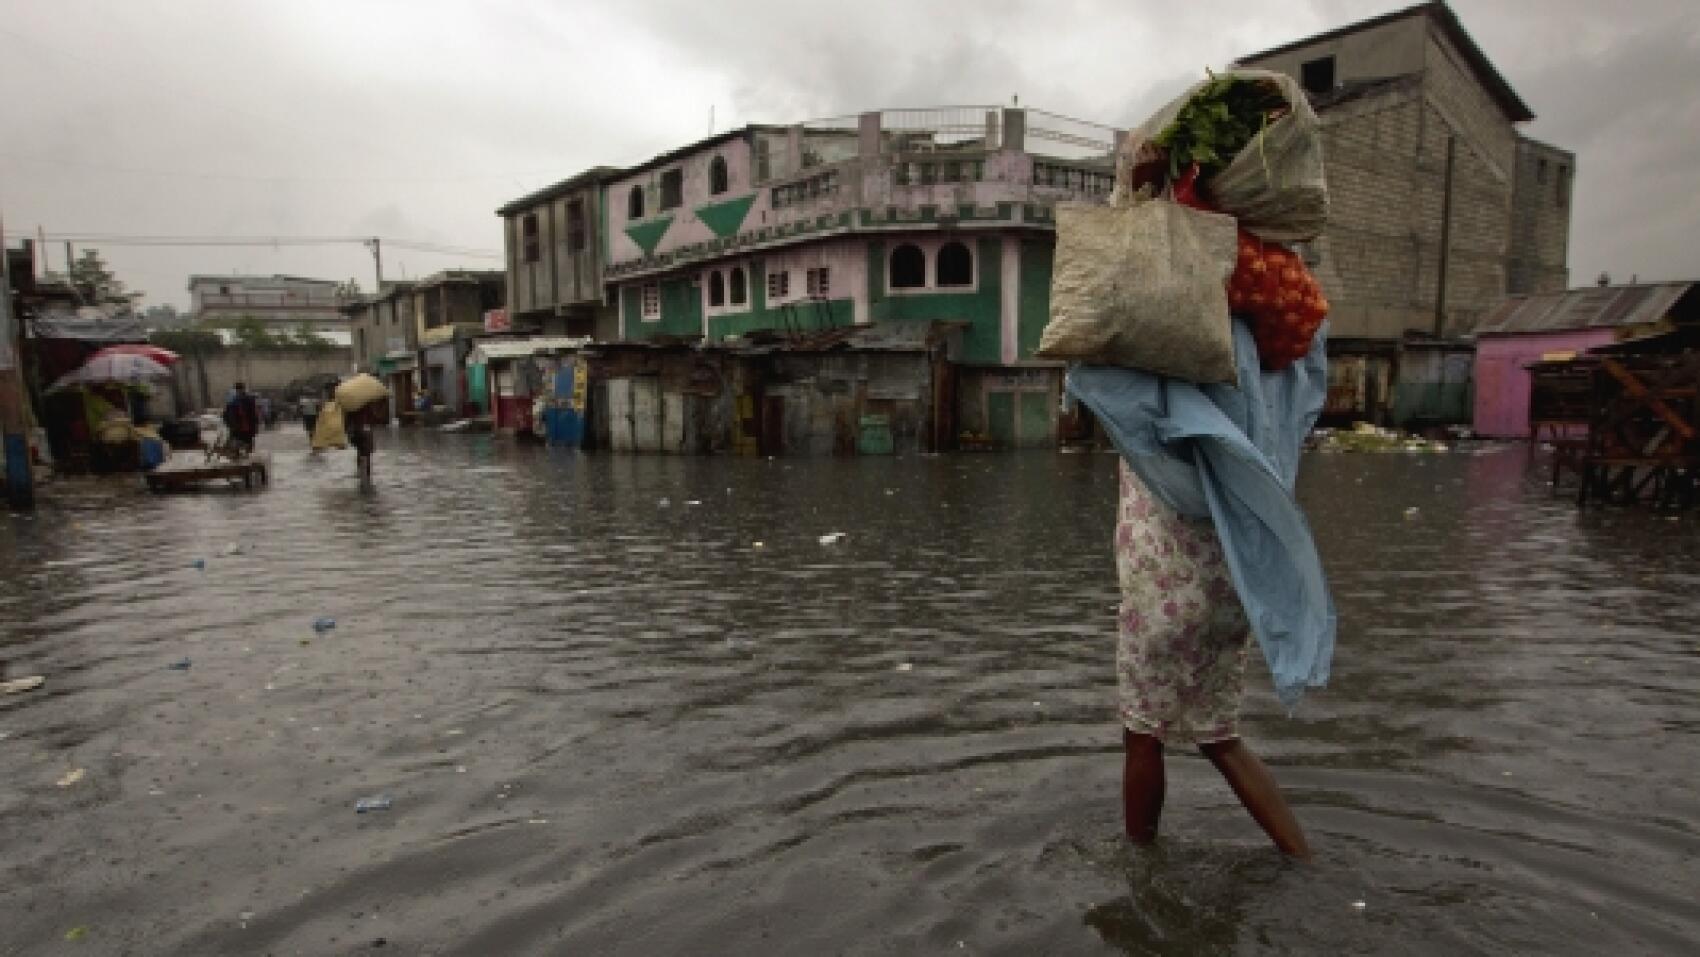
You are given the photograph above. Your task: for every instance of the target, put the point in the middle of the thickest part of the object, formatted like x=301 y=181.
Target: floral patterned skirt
x=1181 y=655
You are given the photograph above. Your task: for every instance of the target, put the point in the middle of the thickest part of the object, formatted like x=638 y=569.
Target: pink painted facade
x=1502 y=381
x=831 y=171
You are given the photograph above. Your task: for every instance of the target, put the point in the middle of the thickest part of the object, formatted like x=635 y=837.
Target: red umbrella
x=160 y=355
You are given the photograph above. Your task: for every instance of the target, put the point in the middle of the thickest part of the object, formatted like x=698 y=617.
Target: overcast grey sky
x=415 y=120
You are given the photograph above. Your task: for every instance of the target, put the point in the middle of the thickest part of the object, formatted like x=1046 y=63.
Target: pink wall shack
x=1502 y=382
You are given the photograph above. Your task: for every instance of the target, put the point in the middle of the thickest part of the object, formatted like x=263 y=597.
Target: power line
x=132 y=239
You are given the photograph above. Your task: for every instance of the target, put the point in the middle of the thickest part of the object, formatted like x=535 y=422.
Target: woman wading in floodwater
x=1180 y=664
x=1212 y=549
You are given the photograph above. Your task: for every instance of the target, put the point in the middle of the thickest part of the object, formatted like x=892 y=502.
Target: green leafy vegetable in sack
x=1218 y=122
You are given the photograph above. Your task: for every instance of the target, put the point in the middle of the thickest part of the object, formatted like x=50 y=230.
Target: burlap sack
x=357 y=392
x=1143 y=284
x=329 y=431
x=1275 y=187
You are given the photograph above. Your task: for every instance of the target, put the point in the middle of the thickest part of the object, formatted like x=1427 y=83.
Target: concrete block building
x=1441 y=208
x=555 y=241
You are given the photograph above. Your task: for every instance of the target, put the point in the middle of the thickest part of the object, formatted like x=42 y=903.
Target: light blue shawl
x=1232 y=453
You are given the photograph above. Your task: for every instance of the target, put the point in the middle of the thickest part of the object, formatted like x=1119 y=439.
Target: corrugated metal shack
x=1525 y=330
x=833 y=391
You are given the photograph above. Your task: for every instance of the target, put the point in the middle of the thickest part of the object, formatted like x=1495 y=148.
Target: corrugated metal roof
x=1590 y=308
x=88 y=324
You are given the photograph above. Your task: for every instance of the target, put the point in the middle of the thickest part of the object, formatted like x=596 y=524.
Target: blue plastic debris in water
x=372 y=804
x=322 y=625
x=179 y=665
x=199 y=564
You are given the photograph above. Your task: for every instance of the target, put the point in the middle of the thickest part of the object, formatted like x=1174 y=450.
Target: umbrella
x=159 y=354
x=119 y=367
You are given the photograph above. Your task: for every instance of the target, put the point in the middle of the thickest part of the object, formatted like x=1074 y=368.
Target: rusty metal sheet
x=1606 y=306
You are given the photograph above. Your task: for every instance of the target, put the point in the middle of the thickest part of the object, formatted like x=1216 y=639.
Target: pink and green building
x=940 y=218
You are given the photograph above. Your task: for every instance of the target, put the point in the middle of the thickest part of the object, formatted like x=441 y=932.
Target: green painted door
x=1036 y=420
x=1000 y=418
x=477 y=391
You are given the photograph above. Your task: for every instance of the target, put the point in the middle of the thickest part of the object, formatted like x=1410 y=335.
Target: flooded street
x=612 y=723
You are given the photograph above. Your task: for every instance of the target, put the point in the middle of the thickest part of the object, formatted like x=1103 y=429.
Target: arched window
x=740 y=290
x=717 y=176
x=908 y=267
x=634 y=203
x=956 y=265
x=716 y=289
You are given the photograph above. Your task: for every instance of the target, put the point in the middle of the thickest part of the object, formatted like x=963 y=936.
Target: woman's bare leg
x=1257 y=790
x=1142 y=785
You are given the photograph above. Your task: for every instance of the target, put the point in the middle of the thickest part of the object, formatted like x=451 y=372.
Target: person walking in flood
x=1211 y=551
x=361 y=404
x=359 y=425
x=308 y=407
x=242 y=418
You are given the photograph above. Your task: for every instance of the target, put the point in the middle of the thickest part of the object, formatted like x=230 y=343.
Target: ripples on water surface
x=612 y=727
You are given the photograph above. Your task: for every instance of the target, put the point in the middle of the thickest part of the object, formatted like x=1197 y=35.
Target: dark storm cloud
x=416 y=120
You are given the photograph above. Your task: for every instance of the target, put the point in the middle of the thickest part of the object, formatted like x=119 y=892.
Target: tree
x=306 y=335
x=252 y=333
x=188 y=342
x=164 y=316
x=97 y=284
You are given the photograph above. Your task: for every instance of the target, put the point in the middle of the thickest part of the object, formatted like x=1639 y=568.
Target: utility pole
x=377 y=260
x=14 y=416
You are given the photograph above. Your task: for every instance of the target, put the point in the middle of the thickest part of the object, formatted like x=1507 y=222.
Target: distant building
x=386 y=338
x=448 y=309
x=1433 y=188
x=281 y=303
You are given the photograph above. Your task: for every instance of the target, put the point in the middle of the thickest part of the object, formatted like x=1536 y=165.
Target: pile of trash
x=1364 y=437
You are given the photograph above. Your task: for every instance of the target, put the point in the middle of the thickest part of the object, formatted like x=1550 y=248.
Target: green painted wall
x=1034 y=299
x=630 y=300
x=1037 y=420
x=681 y=310
x=982 y=308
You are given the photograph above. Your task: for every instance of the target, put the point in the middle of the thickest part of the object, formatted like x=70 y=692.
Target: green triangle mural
x=725 y=218
x=647 y=235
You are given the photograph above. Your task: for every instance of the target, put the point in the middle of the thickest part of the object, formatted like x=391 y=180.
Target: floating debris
x=322 y=625
x=381 y=803
x=20 y=685
x=832 y=538
x=906 y=666
x=71 y=777
x=1364 y=437
x=182 y=665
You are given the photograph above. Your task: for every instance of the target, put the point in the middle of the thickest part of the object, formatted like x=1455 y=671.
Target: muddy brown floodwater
x=612 y=723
